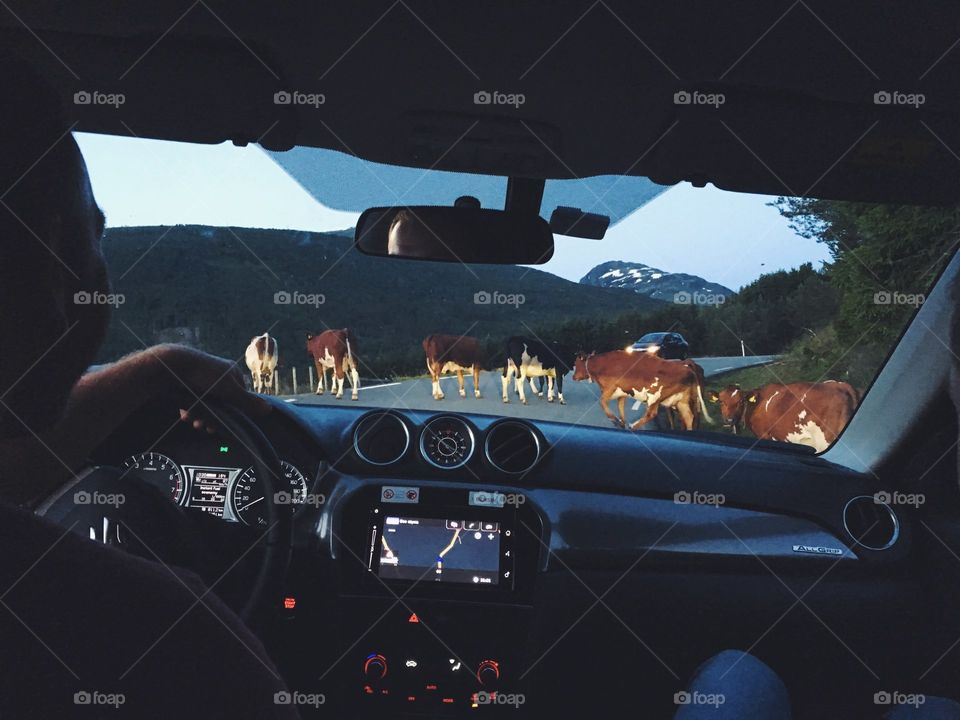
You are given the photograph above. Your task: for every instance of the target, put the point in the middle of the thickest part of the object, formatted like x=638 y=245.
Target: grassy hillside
x=220 y=283
x=814 y=359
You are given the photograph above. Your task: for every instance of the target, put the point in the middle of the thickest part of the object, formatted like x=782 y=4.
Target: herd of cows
x=811 y=414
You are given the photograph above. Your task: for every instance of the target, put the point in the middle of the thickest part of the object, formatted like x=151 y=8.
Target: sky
x=724 y=237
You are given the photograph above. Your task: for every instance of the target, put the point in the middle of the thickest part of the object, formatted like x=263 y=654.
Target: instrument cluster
x=225 y=490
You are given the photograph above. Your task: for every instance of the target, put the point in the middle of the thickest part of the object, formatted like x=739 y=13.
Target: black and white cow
x=528 y=359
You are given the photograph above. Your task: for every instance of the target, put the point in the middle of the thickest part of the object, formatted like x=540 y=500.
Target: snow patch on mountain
x=655 y=283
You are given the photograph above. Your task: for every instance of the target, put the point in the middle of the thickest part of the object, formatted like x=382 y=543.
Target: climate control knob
x=375 y=667
x=488 y=672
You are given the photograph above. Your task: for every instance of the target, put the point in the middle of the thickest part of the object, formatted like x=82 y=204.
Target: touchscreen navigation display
x=449 y=550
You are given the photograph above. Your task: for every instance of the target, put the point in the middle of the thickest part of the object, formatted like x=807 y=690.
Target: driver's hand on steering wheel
x=208 y=376
x=102 y=399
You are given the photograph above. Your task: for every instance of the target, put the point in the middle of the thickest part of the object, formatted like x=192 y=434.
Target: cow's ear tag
x=752 y=398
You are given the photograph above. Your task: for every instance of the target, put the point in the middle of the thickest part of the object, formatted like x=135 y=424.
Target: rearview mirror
x=574 y=222
x=455 y=234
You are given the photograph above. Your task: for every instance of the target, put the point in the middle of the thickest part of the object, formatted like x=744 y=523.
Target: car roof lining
x=798 y=82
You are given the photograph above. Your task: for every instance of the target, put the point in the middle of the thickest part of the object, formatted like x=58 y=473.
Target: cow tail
x=703 y=405
x=855 y=397
x=353 y=364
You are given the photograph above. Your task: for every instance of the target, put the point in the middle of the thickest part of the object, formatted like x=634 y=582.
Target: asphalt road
x=582 y=398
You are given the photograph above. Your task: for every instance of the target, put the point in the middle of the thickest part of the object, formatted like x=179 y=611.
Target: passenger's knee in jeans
x=734 y=684
x=730 y=666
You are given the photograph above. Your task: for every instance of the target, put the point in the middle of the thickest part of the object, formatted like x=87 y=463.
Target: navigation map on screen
x=440 y=550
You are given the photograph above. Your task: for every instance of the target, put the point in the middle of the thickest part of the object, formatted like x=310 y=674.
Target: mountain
x=656 y=284
x=216 y=287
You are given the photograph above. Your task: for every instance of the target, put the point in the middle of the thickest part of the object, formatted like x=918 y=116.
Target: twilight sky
x=724 y=237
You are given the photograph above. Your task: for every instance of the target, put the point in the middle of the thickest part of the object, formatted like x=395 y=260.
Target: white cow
x=261 y=357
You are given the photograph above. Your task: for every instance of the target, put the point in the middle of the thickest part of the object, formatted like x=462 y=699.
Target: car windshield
x=787 y=306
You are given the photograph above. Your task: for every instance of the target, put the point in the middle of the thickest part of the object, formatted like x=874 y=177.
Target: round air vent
x=381 y=438
x=871 y=523
x=512 y=447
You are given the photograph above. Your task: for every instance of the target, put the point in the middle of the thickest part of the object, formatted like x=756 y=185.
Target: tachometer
x=248 y=499
x=160 y=471
x=447 y=442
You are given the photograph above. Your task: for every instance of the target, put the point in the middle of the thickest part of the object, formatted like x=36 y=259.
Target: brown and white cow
x=673 y=417
x=335 y=350
x=452 y=353
x=647 y=378
x=261 y=356
x=805 y=413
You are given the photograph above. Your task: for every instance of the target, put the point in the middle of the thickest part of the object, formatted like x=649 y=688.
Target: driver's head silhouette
x=52 y=273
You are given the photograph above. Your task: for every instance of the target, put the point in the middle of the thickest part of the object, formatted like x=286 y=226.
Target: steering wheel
x=107 y=505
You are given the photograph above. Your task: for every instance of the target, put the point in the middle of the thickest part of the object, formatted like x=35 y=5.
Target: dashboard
x=432 y=551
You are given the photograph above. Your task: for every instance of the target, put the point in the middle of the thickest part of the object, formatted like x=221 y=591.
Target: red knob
x=488 y=672
x=375 y=667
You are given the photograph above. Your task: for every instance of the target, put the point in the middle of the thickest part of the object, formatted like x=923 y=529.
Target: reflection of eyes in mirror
x=462 y=234
x=410 y=237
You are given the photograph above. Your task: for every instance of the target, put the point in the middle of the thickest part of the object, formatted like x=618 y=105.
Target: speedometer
x=249 y=502
x=159 y=471
x=447 y=442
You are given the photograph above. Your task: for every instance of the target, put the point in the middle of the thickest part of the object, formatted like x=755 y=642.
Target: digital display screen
x=208 y=491
x=455 y=550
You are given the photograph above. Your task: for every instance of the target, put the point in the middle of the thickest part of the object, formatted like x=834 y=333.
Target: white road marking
x=374 y=387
